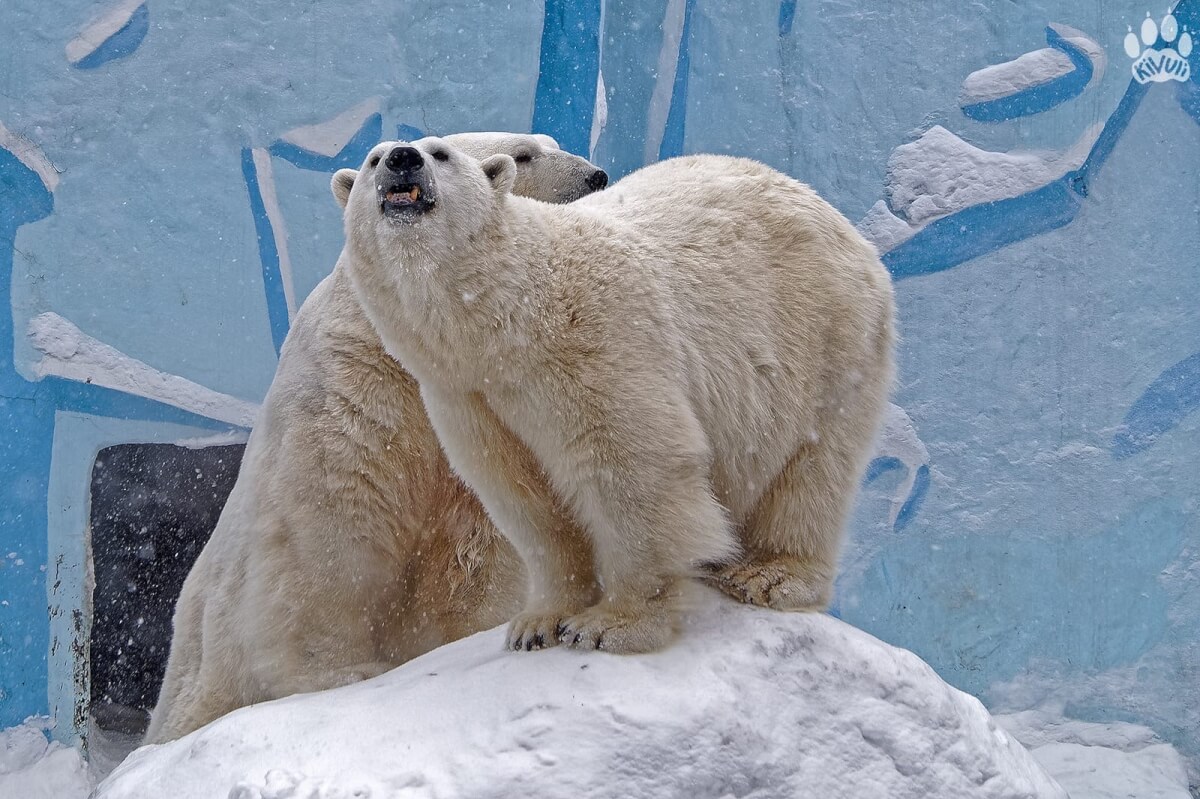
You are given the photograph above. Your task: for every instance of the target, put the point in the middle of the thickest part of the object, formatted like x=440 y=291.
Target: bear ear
x=341 y=184
x=501 y=170
x=546 y=141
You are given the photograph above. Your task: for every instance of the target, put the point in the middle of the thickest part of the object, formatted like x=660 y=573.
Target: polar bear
x=697 y=358
x=347 y=545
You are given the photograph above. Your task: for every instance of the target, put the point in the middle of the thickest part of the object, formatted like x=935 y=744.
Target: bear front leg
x=638 y=476
x=513 y=488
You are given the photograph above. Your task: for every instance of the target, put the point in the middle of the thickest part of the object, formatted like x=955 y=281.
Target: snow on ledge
x=884 y=229
x=1032 y=69
x=748 y=702
x=939 y=174
x=70 y=353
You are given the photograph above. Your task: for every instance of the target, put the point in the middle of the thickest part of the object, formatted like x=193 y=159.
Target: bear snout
x=404 y=159
x=597 y=180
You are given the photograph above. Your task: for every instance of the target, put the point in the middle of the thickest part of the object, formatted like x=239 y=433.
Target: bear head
x=544 y=170
x=424 y=196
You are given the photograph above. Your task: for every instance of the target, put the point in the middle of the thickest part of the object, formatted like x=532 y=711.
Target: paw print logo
x=1161 y=52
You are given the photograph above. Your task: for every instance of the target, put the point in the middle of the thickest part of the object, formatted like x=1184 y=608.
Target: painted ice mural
x=269 y=118
x=100 y=382
x=950 y=202
x=947 y=203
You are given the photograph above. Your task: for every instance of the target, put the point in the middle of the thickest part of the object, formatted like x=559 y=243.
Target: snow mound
x=749 y=703
x=32 y=767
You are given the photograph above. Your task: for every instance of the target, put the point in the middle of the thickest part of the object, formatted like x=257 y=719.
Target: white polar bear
x=698 y=360
x=347 y=545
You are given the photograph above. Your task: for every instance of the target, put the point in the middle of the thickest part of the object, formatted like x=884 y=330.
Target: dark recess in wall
x=153 y=507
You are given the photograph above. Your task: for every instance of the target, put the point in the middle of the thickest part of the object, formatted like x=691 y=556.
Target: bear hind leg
x=793 y=537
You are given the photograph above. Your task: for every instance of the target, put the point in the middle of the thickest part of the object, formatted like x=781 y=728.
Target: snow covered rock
x=747 y=703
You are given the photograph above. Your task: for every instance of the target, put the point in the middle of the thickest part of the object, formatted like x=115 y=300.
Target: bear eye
x=523 y=158
x=374 y=162
x=441 y=155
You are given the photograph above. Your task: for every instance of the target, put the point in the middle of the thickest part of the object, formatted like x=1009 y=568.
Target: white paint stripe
x=96 y=32
x=30 y=155
x=599 y=115
x=70 y=353
x=329 y=137
x=266 y=188
x=600 y=106
x=664 y=86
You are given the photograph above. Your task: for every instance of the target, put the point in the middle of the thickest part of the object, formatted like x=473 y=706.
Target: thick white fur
x=347 y=546
x=698 y=358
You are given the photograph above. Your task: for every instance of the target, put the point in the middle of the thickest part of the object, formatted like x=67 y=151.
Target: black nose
x=598 y=180
x=404 y=159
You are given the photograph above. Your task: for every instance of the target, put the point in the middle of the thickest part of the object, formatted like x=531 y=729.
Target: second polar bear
x=697 y=358
x=347 y=546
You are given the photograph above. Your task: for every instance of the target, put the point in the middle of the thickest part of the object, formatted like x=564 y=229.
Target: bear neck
x=464 y=309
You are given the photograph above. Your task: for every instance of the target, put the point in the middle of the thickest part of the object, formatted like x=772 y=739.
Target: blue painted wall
x=1048 y=544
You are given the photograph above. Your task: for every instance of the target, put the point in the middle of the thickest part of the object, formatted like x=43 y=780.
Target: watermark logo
x=1161 y=52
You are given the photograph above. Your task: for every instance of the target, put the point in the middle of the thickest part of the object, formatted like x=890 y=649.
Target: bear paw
x=624 y=632
x=534 y=630
x=781 y=584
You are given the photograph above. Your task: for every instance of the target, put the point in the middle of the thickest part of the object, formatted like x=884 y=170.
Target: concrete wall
x=1030 y=526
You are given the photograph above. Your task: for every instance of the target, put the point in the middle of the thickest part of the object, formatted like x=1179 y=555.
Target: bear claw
x=532 y=631
x=618 y=632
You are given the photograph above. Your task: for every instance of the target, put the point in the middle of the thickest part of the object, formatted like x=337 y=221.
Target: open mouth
x=404 y=200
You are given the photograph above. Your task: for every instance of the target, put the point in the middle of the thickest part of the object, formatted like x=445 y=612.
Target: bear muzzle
x=403 y=184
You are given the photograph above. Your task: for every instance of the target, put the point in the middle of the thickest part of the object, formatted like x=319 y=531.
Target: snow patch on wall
x=899 y=440
x=884 y=229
